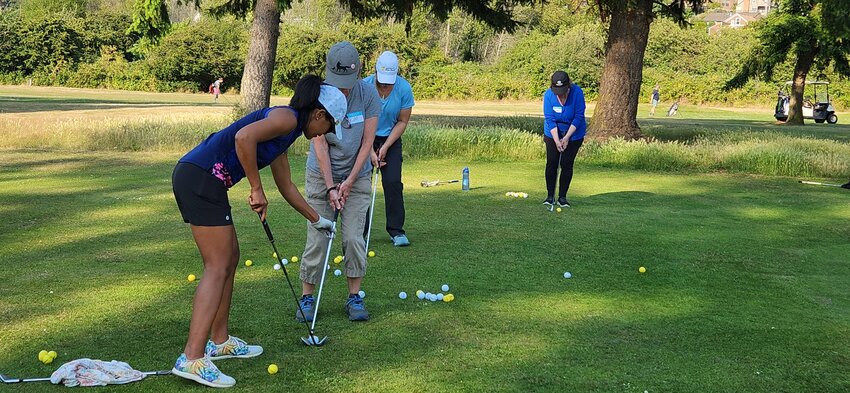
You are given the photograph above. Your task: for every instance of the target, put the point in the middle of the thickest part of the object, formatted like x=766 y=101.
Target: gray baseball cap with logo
x=343 y=66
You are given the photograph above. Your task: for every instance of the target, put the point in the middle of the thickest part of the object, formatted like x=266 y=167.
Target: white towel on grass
x=88 y=372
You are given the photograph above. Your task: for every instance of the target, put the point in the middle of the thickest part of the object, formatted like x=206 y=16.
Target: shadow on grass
x=687 y=130
x=42 y=104
x=701 y=318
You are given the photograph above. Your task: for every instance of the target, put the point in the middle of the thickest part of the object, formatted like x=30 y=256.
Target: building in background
x=749 y=6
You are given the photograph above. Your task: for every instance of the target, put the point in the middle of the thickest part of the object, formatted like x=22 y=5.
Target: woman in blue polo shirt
x=200 y=182
x=396 y=105
x=564 y=129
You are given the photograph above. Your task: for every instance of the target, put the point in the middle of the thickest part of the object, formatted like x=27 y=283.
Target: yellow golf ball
x=272 y=369
x=371 y=253
x=294 y=259
x=191 y=277
x=52 y=355
x=274 y=255
x=249 y=262
x=642 y=269
x=448 y=298
x=558 y=210
x=42 y=355
x=338 y=259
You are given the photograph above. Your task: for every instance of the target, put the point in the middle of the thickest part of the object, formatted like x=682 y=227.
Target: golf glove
x=324 y=225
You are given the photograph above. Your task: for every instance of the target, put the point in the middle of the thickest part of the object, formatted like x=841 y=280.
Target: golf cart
x=818 y=107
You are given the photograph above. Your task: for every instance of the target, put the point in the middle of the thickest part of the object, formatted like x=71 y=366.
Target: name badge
x=557 y=109
x=355 y=117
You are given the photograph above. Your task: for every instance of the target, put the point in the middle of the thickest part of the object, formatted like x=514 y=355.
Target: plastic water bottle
x=465 y=183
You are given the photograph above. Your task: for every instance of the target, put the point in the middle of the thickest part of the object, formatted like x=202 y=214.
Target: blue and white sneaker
x=400 y=240
x=234 y=347
x=306 y=302
x=202 y=371
x=356 y=308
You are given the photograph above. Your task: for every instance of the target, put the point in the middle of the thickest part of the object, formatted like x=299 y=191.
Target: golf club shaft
x=817 y=183
x=324 y=273
x=372 y=209
x=285 y=274
x=19 y=380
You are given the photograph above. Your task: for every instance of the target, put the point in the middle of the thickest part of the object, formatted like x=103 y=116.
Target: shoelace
x=356 y=303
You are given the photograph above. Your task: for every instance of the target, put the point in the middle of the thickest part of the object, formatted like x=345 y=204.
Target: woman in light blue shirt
x=397 y=103
x=564 y=129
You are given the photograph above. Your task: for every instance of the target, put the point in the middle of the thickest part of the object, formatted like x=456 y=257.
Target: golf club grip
x=266 y=227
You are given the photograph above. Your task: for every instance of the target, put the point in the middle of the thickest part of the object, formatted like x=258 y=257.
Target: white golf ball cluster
x=516 y=194
x=434 y=297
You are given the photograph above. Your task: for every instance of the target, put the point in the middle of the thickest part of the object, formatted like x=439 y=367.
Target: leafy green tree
x=814 y=33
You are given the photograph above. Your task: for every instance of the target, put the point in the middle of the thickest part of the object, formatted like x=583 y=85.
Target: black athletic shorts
x=201 y=197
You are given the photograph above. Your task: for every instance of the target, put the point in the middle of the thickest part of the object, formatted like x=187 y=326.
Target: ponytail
x=306 y=97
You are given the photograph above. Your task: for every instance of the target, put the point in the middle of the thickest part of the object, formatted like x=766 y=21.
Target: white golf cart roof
x=809 y=83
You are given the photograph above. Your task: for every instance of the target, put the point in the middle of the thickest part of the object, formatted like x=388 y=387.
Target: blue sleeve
x=407 y=97
x=548 y=113
x=578 y=103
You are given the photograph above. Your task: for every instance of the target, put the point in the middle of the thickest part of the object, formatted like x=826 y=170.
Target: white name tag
x=557 y=109
x=355 y=117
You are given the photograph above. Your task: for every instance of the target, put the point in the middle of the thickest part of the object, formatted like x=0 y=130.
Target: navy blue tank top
x=217 y=154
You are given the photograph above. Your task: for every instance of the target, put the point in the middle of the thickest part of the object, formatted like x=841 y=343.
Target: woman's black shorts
x=201 y=197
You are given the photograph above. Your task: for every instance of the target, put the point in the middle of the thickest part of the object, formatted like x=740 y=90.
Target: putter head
x=314 y=341
x=6 y=379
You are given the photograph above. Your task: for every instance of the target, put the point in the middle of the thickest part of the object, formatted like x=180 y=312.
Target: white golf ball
x=361 y=293
x=276 y=266
x=402 y=295
x=337 y=272
x=567 y=274
x=445 y=287
x=284 y=261
x=420 y=295
x=314 y=339
x=440 y=296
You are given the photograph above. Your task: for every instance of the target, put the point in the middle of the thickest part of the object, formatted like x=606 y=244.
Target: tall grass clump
x=493 y=139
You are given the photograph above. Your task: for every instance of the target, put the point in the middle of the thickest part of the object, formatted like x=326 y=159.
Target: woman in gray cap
x=337 y=178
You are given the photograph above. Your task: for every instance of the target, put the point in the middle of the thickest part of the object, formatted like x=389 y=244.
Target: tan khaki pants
x=350 y=228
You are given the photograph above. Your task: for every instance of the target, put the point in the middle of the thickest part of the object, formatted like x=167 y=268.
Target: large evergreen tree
x=814 y=33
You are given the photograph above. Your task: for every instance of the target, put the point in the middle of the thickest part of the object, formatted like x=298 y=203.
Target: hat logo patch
x=559 y=83
x=343 y=69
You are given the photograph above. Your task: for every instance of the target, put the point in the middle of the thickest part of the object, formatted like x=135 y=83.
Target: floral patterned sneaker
x=234 y=347
x=202 y=371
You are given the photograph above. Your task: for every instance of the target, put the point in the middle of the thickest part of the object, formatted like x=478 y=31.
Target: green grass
x=745 y=289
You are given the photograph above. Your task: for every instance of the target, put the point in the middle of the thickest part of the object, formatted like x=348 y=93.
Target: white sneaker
x=234 y=347
x=202 y=371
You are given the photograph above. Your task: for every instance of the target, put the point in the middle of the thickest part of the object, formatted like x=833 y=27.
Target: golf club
x=372 y=209
x=6 y=379
x=313 y=340
x=288 y=281
x=817 y=183
x=434 y=183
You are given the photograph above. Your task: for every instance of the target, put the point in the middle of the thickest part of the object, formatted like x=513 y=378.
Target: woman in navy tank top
x=200 y=182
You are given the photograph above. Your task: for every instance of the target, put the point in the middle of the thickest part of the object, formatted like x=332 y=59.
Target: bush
x=194 y=55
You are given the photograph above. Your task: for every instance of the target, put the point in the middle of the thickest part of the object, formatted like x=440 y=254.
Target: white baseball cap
x=387 y=68
x=336 y=104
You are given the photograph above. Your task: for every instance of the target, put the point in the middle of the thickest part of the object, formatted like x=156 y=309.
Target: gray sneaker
x=356 y=308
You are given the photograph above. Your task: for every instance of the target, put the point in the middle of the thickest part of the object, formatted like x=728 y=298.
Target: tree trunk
x=801 y=70
x=619 y=90
x=259 y=65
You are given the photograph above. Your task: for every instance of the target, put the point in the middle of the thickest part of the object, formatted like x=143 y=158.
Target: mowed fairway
x=746 y=288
